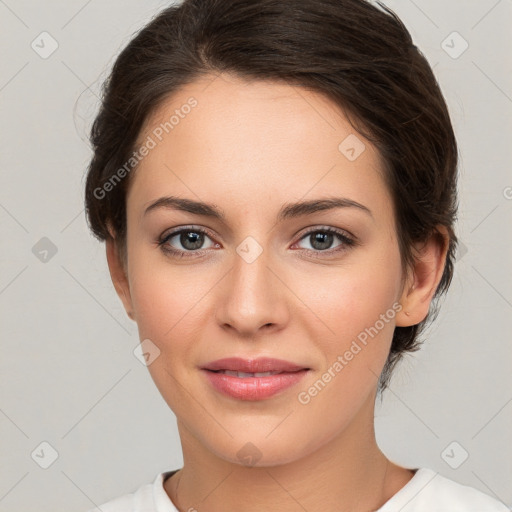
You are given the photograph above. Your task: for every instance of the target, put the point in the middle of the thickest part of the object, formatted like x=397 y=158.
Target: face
x=317 y=287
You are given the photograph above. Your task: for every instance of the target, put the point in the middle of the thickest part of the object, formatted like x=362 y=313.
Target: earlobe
x=119 y=276
x=430 y=258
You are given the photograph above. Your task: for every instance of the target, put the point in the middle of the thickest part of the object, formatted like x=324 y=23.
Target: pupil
x=191 y=240
x=323 y=239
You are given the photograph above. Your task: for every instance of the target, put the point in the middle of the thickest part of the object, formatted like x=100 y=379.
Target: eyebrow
x=288 y=211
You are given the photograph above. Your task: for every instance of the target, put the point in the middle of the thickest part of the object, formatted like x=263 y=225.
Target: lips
x=253 y=379
x=245 y=375
x=253 y=366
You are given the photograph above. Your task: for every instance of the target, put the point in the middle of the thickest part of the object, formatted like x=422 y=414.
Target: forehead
x=222 y=136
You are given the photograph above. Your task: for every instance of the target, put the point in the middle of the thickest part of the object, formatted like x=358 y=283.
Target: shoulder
x=428 y=491
x=149 y=497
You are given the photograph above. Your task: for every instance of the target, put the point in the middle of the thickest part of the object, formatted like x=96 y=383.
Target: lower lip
x=253 y=388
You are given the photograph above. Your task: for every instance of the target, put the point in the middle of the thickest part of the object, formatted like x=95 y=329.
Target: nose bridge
x=252 y=297
x=250 y=266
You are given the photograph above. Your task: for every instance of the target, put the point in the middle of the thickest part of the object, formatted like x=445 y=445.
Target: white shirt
x=427 y=491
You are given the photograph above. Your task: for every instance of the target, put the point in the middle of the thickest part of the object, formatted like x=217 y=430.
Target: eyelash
x=347 y=242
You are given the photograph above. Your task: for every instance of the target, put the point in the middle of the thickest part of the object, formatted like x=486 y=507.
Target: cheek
x=170 y=313
x=351 y=297
x=167 y=302
x=354 y=309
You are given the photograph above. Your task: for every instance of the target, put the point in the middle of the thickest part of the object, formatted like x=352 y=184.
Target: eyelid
x=331 y=229
x=191 y=227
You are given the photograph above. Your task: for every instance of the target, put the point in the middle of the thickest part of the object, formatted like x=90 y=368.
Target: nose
x=252 y=300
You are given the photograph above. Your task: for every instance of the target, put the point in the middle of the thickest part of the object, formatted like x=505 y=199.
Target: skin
x=249 y=148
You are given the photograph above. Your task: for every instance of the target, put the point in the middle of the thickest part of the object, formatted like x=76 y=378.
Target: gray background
x=69 y=375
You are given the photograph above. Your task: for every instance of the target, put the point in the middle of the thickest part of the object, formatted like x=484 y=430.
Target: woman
x=275 y=182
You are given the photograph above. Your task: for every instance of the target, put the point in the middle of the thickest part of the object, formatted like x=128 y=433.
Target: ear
x=423 y=278
x=118 y=274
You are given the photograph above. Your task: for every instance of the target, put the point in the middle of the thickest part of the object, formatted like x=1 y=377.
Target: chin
x=260 y=450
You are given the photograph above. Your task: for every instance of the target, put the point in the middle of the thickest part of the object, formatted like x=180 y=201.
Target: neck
x=348 y=473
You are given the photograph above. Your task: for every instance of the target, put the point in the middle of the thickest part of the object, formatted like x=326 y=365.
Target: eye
x=322 y=239
x=188 y=240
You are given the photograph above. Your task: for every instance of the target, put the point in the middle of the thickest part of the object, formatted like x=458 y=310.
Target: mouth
x=262 y=365
x=255 y=379
x=245 y=375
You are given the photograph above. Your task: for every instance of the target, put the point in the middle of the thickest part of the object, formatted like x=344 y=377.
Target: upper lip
x=262 y=364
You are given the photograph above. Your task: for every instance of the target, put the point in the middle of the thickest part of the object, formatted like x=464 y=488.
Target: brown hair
x=358 y=55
